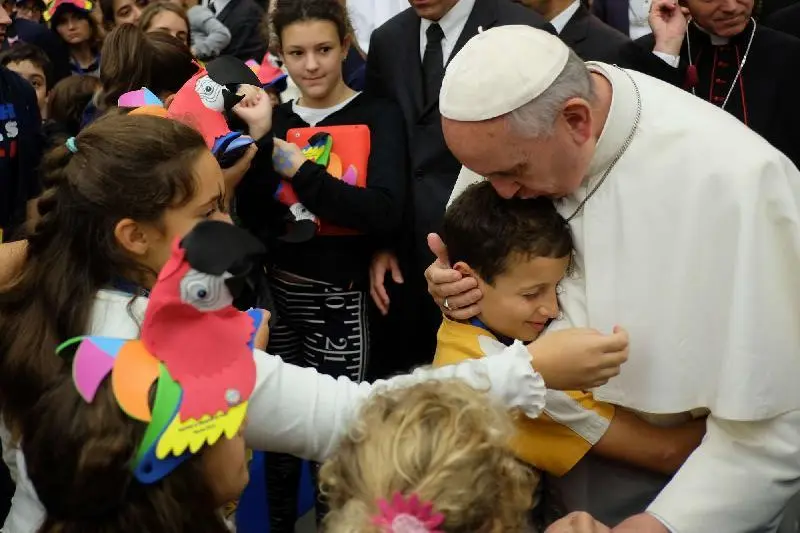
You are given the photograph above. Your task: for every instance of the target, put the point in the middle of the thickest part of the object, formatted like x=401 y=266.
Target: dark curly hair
x=484 y=230
x=288 y=12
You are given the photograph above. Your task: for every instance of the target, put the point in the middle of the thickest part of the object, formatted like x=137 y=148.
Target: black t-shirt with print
x=20 y=150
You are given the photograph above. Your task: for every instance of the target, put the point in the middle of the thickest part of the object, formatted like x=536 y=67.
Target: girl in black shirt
x=321 y=285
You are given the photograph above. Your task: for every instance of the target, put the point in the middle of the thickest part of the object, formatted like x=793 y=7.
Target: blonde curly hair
x=443 y=441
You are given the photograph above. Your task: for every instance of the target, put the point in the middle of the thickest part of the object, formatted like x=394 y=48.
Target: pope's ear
x=577 y=114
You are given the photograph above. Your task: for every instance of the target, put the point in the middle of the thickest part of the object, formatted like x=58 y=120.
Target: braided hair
x=133 y=167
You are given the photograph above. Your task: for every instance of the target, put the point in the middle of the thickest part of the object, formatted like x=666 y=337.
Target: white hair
x=537 y=118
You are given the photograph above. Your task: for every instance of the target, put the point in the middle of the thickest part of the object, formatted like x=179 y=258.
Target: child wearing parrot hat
x=72 y=22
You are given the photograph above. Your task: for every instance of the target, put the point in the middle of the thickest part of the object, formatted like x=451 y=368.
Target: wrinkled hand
x=641 y=523
x=382 y=263
x=444 y=283
x=668 y=20
x=262 y=335
x=233 y=175
x=579 y=358
x=287 y=158
x=577 y=522
x=255 y=109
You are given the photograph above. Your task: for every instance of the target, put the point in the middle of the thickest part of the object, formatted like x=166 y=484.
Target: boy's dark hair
x=483 y=230
x=28 y=52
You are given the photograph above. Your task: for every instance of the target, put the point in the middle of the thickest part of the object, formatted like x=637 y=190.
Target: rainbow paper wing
x=140 y=98
x=133 y=375
x=94 y=360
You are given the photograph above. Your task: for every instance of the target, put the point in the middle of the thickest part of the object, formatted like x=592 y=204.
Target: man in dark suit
x=406 y=61
x=243 y=19
x=590 y=37
x=615 y=13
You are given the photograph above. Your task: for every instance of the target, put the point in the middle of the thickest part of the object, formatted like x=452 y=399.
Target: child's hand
x=262 y=335
x=255 y=109
x=579 y=358
x=287 y=158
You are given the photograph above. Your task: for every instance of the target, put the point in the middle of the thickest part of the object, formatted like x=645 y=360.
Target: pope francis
x=687 y=232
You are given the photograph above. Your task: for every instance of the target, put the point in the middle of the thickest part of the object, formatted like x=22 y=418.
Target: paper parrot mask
x=269 y=74
x=195 y=347
x=202 y=103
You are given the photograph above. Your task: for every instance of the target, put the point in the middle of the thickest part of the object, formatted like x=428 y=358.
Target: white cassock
x=693 y=244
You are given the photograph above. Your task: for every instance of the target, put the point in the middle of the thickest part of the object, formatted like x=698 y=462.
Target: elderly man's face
x=725 y=18
x=521 y=166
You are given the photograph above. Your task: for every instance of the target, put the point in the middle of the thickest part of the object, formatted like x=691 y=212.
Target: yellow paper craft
x=193 y=434
x=134 y=372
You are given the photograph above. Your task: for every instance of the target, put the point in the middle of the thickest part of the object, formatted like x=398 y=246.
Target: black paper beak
x=236 y=285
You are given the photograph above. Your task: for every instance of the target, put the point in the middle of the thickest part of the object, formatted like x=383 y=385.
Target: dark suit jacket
x=614 y=13
x=394 y=70
x=786 y=20
x=242 y=18
x=592 y=39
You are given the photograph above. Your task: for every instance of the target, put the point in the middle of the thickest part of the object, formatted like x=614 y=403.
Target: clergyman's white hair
x=537 y=118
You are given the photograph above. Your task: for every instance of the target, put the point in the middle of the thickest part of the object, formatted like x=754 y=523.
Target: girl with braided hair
x=117 y=196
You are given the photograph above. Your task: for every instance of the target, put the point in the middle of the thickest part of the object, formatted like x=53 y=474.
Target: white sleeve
x=299 y=411
x=671 y=60
x=739 y=479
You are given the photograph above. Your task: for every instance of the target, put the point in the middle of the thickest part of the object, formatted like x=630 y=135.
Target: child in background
x=118 y=12
x=444 y=444
x=72 y=21
x=518 y=251
x=33 y=65
x=209 y=36
x=65 y=107
x=166 y=17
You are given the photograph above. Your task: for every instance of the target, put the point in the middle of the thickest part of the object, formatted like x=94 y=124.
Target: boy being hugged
x=518 y=251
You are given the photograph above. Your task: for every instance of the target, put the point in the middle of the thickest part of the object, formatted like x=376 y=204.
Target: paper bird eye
x=210 y=93
x=205 y=292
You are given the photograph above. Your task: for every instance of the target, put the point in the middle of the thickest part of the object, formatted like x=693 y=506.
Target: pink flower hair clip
x=407 y=515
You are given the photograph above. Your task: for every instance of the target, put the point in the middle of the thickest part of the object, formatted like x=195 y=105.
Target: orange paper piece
x=335 y=166
x=134 y=372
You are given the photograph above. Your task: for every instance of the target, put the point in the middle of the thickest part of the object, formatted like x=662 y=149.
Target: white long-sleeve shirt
x=292 y=410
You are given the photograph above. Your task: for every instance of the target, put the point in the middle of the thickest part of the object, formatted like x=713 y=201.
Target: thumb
x=436 y=244
x=262 y=335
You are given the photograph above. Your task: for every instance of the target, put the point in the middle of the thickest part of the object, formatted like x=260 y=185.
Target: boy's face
x=522 y=299
x=35 y=76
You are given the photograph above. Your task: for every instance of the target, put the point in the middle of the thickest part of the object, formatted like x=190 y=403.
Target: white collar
x=561 y=20
x=452 y=23
x=716 y=40
x=621 y=116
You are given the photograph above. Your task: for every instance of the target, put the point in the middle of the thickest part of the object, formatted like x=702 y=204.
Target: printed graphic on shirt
x=8 y=131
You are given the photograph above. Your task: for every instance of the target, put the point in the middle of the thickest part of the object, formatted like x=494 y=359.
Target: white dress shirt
x=561 y=20
x=452 y=24
x=367 y=15
x=638 y=12
x=216 y=6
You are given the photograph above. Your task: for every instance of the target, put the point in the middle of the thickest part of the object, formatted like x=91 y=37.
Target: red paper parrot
x=191 y=313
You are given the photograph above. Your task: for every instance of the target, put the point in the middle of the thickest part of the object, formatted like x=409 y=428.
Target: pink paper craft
x=139 y=98
x=206 y=352
x=90 y=367
x=187 y=107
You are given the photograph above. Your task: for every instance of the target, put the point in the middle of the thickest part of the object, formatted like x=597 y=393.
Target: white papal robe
x=693 y=244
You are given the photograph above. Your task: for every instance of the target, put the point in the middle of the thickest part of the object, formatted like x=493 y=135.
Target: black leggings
x=321 y=326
